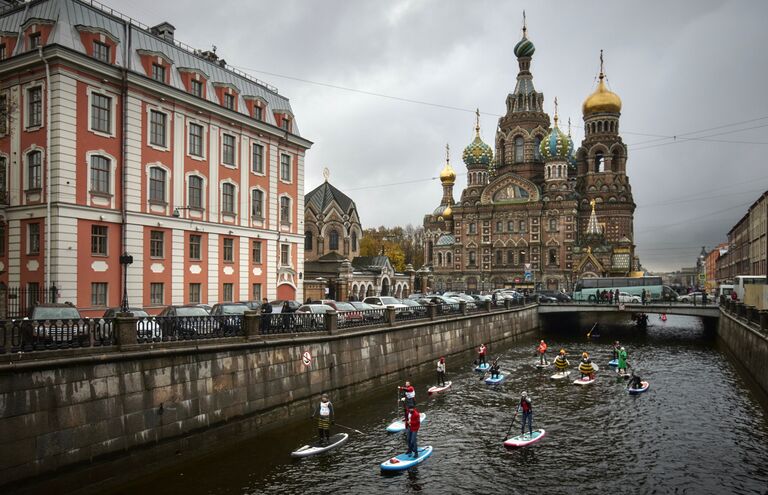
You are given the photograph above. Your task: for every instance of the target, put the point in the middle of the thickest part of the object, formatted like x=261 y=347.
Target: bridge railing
x=751 y=315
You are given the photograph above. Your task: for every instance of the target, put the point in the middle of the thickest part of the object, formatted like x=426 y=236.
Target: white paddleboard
x=644 y=387
x=584 y=381
x=539 y=365
x=560 y=376
x=525 y=439
x=436 y=388
x=317 y=448
x=399 y=425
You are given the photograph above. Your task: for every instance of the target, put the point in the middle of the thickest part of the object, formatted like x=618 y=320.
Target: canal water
x=701 y=428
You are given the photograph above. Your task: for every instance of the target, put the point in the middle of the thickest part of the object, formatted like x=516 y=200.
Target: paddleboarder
x=324 y=413
x=441 y=372
x=526 y=405
x=561 y=363
x=542 y=349
x=585 y=366
x=616 y=347
x=622 y=369
x=412 y=424
x=494 y=370
x=481 y=354
x=634 y=382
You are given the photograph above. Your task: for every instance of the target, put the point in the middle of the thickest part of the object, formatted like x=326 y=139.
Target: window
x=158 y=73
x=3 y=53
x=156 y=295
x=285 y=251
x=33 y=238
x=34 y=170
x=553 y=224
x=228 y=198
x=228 y=253
x=472 y=228
x=194 y=293
x=499 y=257
x=195 y=140
x=258 y=159
x=448 y=258
x=599 y=162
x=257 y=204
x=101 y=113
x=536 y=150
x=157 y=244
x=98 y=293
x=157 y=127
x=228 y=149
x=499 y=226
x=522 y=257
x=511 y=226
x=519 y=150
x=229 y=101
x=157 y=184
x=354 y=241
x=101 y=52
x=285 y=168
x=552 y=257
x=472 y=258
x=285 y=210
x=195 y=192
x=196 y=88
x=34 y=41
x=510 y=257
x=308 y=240
x=99 y=240
x=258 y=113
x=256 y=252
x=522 y=226
x=228 y=292
x=100 y=172
x=33 y=294
x=256 y=292
x=195 y=247
x=333 y=240
x=286 y=124
x=35 y=107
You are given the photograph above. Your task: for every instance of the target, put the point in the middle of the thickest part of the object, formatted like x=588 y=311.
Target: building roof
x=446 y=240
x=370 y=263
x=68 y=15
x=320 y=197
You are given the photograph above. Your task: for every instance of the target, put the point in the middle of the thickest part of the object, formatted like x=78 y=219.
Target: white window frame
x=280 y=212
x=27 y=88
x=235 y=199
x=199 y=293
x=112 y=112
x=204 y=199
x=168 y=124
x=112 y=173
x=280 y=254
x=204 y=156
x=280 y=167
x=221 y=150
x=168 y=180
x=25 y=171
x=264 y=204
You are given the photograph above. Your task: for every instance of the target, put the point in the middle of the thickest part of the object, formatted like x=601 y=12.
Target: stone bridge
x=708 y=311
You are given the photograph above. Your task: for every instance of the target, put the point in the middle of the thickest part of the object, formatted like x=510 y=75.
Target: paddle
x=593 y=328
x=347 y=427
x=511 y=425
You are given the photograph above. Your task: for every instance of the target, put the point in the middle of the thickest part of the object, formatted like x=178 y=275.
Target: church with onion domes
x=536 y=213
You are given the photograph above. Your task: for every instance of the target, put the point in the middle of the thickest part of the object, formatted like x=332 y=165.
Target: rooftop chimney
x=165 y=30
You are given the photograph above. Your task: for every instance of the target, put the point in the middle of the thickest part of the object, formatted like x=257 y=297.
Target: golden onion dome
x=447 y=174
x=602 y=100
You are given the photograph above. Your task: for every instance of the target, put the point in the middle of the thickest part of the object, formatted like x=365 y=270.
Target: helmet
x=622 y=348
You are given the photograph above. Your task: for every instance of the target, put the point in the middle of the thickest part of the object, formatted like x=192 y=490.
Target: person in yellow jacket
x=561 y=363
x=586 y=368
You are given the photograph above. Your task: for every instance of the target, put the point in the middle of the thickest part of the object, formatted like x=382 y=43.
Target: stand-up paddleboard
x=525 y=439
x=584 y=381
x=613 y=362
x=644 y=387
x=437 y=388
x=624 y=375
x=493 y=381
x=483 y=367
x=539 y=365
x=405 y=461
x=560 y=375
x=399 y=425
x=317 y=448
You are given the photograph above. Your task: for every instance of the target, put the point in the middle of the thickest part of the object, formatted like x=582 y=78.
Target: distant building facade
x=747 y=244
x=535 y=213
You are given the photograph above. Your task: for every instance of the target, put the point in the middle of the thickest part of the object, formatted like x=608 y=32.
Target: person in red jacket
x=481 y=354
x=542 y=349
x=409 y=397
x=412 y=425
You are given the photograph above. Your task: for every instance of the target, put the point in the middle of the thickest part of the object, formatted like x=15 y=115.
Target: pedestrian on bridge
x=643 y=297
x=616 y=297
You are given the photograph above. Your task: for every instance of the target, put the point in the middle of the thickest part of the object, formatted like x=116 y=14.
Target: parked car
x=625 y=297
x=463 y=297
x=511 y=295
x=252 y=305
x=55 y=323
x=277 y=305
x=415 y=306
x=146 y=326
x=693 y=297
x=442 y=301
x=481 y=298
x=230 y=325
x=366 y=310
x=384 y=301
x=544 y=298
x=184 y=321
x=560 y=296
x=206 y=307
x=347 y=312
x=312 y=316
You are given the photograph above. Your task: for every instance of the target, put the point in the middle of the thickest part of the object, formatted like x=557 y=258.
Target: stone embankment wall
x=748 y=342
x=164 y=399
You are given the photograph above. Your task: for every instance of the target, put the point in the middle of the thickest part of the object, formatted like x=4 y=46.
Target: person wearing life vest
x=585 y=366
x=542 y=349
x=526 y=405
x=495 y=368
x=561 y=363
x=412 y=424
x=481 y=354
x=622 y=369
x=324 y=413
x=441 y=372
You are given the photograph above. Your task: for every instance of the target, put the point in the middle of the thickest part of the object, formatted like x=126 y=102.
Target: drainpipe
x=47 y=282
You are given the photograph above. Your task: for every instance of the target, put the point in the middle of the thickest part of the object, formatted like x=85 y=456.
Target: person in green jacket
x=622 y=369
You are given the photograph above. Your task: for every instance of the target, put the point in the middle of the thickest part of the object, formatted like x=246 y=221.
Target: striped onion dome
x=556 y=144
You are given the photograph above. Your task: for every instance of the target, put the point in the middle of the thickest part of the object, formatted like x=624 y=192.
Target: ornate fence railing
x=38 y=335
x=174 y=328
x=362 y=318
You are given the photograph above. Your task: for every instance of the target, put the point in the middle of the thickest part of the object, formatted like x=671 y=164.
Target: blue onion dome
x=477 y=154
x=556 y=144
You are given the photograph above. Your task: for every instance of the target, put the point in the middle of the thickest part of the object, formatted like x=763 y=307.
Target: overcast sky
x=679 y=67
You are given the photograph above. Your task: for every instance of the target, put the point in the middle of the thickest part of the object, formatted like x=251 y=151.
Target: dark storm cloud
x=678 y=67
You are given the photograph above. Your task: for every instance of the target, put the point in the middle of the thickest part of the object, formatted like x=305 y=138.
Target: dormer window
x=101 y=52
x=286 y=124
x=229 y=101
x=158 y=73
x=34 y=41
x=257 y=112
x=98 y=42
x=196 y=88
x=3 y=52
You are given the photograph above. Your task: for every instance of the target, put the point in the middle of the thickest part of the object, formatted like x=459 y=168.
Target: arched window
x=536 y=152
x=448 y=260
x=553 y=256
x=195 y=192
x=354 y=241
x=472 y=258
x=157 y=184
x=549 y=172
x=333 y=240
x=510 y=257
x=439 y=259
x=308 y=240
x=522 y=257
x=599 y=162
x=499 y=257
x=600 y=126
x=519 y=150
x=257 y=206
x=553 y=224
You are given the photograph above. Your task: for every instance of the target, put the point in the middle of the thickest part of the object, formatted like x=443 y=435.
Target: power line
x=663 y=137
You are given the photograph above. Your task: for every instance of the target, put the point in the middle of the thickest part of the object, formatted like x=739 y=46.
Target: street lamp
x=125 y=260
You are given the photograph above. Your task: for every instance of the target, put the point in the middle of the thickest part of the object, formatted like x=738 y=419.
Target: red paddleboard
x=435 y=389
x=525 y=439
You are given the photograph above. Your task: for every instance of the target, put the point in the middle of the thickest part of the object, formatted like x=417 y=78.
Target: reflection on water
x=699 y=429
